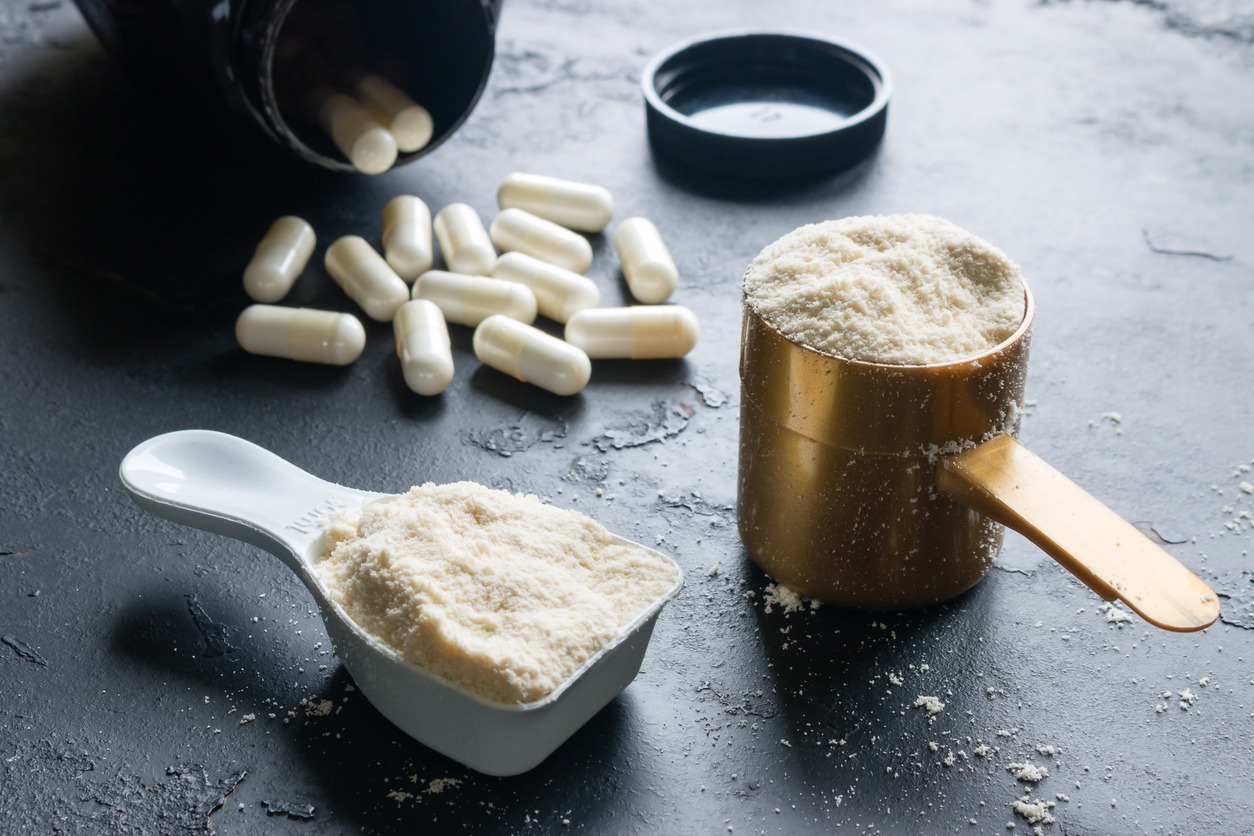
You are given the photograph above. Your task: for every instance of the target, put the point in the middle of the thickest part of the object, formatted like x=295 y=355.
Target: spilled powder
x=897 y=289
x=494 y=591
x=778 y=595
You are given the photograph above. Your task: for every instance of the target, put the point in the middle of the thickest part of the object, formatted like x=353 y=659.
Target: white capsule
x=469 y=300
x=643 y=332
x=463 y=240
x=517 y=231
x=407 y=236
x=531 y=355
x=359 y=136
x=279 y=260
x=559 y=292
x=409 y=122
x=301 y=334
x=422 y=344
x=579 y=206
x=647 y=264
x=366 y=277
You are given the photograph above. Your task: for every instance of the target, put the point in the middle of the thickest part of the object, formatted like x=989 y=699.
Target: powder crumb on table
x=438 y=785
x=1034 y=810
x=778 y=595
x=497 y=592
x=932 y=705
x=1028 y=772
x=1114 y=615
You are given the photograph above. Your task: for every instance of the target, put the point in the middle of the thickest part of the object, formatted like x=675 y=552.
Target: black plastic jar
x=241 y=67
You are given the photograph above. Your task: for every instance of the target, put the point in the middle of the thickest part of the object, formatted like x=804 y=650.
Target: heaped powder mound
x=497 y=592
x=896 y=289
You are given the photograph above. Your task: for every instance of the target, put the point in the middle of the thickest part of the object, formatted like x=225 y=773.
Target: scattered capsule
x=407 y=236
x=422 y=344
x=643 y=332
x=469 y=300
x=301 y=334
x=647 y=264
x=359 y=136
x=559 y=292
x=579 y=206
x=518 y=231
x=366 y=277
x=279 y=260
x=409 y=122
x=531 y=355
x=465 y=243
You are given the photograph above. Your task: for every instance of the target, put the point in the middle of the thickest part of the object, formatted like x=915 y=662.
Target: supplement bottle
x=252 y=70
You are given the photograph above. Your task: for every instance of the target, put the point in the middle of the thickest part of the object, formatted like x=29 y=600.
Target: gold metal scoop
x=859 y=483
x=1009 y=483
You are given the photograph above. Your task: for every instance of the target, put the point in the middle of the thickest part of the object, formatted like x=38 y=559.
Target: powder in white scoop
x=898 y=289
x=497 y=592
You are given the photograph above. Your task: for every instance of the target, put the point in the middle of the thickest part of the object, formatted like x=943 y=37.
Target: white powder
x=1028 y=773
x=932 y=705
x=778 y=595
x=1114 y=615
x=497 y=592
x=899 y=289
x=1034 y=811
x=318 y=709
x=439 y=785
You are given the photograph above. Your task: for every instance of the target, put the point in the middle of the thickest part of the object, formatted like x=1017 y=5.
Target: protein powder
x=497 y=592
x=895 y=289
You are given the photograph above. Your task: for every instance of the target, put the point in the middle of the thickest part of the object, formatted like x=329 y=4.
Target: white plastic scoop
x=226 y=485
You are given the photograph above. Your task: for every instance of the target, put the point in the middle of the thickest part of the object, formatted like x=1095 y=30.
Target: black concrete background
x=1078 y=136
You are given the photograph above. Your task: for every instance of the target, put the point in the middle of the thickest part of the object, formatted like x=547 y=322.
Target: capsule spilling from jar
x=409 y=122
x=368 y=145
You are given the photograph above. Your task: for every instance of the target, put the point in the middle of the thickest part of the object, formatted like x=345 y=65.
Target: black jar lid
x=765 y=104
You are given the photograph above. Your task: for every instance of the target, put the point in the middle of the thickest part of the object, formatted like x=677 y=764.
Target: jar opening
x=438 y=52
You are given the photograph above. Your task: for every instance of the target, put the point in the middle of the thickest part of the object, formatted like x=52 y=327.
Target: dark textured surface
x=1074 y=135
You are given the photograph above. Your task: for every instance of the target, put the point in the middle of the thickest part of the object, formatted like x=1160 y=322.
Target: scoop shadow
x=156 y=630
x=346 y=746
x=347 y=751
x=830 y=670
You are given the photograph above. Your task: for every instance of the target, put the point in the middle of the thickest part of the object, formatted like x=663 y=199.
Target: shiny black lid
x=762 y=104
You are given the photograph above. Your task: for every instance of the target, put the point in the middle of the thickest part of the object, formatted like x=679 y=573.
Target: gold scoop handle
x=1007 y=482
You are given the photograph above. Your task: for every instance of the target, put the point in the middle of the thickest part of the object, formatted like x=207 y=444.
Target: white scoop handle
x=225 y=485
